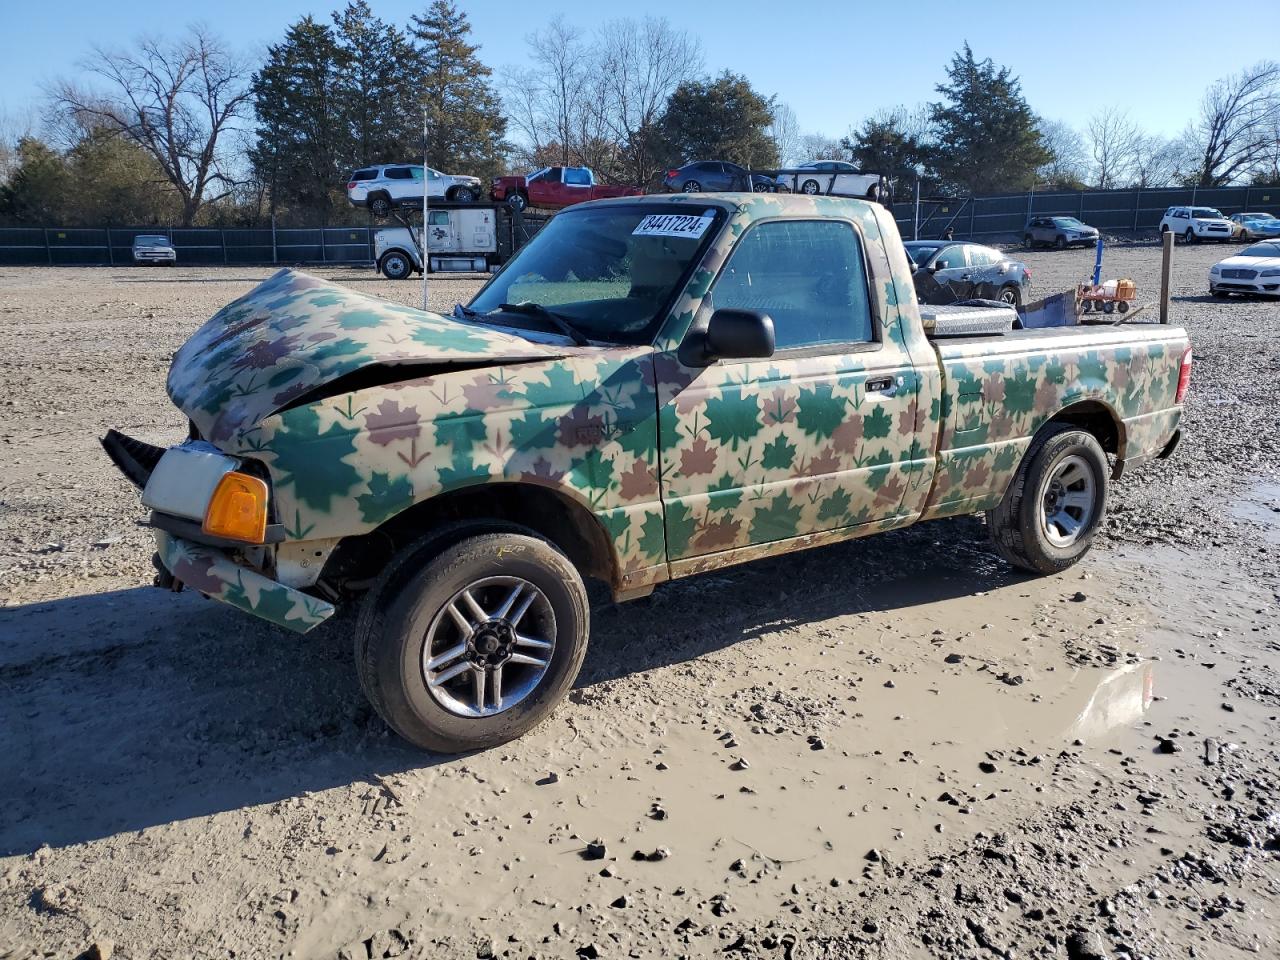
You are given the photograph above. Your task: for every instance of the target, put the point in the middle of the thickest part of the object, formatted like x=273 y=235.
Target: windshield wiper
x=559 y=321
x=460 y=311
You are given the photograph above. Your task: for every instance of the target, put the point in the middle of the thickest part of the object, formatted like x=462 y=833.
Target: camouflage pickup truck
x=652 y=388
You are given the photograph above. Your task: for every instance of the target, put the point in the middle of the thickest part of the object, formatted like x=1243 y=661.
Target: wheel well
x=1095 y=418
x=562 y=520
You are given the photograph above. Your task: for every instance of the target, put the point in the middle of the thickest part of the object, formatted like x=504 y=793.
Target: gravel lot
x=944 y=759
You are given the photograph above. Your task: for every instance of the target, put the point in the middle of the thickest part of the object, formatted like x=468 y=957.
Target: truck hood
x=294 y=335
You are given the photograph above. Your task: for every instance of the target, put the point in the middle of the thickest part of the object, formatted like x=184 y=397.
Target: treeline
x=188 y=131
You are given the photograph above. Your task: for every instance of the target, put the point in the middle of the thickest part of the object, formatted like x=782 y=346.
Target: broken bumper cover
x=215 y=574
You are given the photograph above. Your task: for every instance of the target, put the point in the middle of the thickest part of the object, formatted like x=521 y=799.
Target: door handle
x=881 y=385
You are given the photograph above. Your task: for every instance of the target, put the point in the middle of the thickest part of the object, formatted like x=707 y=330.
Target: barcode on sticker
x=672 y=225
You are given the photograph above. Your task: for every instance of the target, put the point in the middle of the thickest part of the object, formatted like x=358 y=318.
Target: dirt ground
x=941 y=758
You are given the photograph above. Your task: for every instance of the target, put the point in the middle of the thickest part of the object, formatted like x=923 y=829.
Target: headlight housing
x=1275 y=272
x=1216 y=268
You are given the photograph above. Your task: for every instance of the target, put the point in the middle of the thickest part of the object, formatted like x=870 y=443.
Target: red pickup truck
x=555 y=187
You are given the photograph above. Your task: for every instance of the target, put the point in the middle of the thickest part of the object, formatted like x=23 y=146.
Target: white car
x=384 y=187
x=150 y=248
x=838 y=178
x=1254 y=269
x=1194 y=224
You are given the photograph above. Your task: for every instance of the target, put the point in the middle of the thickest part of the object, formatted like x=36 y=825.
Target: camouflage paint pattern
x=215 y=574
x=683 y=468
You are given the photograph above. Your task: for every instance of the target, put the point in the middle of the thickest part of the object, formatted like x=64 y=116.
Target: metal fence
x=987 y=218
x=1111 y=211
x=213 y=246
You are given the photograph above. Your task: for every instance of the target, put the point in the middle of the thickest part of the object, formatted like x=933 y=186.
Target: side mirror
x=730 y=335
x=934 y=266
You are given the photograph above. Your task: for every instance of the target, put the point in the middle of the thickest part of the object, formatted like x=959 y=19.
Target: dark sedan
x=709 y=176
x=949 y=270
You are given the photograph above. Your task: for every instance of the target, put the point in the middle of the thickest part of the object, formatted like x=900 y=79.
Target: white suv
x=392 y=185
x=1194 y=224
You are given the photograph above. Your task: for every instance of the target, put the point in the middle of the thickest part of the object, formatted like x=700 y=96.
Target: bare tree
x=1159 y=162
x=1237 y=123
x=640 y=64
x=785 y=131
x=548 y=100
x=176 y=100
x=818 y=146
x=1113 y=141
x=1068 y=160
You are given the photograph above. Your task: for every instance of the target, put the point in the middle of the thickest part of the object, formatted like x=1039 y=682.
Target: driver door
x=946 y=277
x=819 y=436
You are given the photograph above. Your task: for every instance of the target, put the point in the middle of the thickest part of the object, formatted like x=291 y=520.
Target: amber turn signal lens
x=238 y=509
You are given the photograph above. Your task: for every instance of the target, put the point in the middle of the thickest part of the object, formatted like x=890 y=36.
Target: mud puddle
x=1260 y=507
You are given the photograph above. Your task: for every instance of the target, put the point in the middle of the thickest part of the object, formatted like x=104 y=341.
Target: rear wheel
x=1009 y=295
x=380 y=205
x=517 y=201
x=1055 y=505
x=468 y=645
x=692 y=186
x=810 y=187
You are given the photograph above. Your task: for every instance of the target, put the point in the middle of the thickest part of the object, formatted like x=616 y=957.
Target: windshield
x=1254 y=217
x=161 y=240
x=920 y=253
x=1071 y=223
x=1206 y=213
x=1261 y=250
x=611 y=271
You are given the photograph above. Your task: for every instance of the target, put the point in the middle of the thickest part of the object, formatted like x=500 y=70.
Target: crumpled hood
x=295 y=333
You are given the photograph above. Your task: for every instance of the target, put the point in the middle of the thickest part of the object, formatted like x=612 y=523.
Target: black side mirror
x=730 y=335
x=934 y=266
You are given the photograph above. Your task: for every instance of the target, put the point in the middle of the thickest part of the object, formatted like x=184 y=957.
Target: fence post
x=111 y=251
x=973 y=203
x=223 y=234
x=1137 y=205
x=1165 y=264
x=1080 y=208
x=324 y=253
x=48 y=253
x=274 y=258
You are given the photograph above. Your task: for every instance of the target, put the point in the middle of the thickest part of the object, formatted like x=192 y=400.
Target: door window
x=398 y=173
x=808 y=275
x=577 y=177
x=983 y=257
x=951 y=258
x=439 y=218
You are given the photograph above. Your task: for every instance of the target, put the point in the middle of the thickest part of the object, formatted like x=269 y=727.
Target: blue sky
x=833 y=62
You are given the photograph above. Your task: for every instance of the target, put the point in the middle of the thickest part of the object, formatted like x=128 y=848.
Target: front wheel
x=761 y=187
x=1190 y=237
x=396 y=266
x=1055 y=505
x=1060 y=243
x=1029 y=242
x=472 y=645
x=810 y=188
x=465 y=195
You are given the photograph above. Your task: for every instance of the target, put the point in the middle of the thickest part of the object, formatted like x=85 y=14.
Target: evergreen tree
x=299 y=152
x=720 y=119
x=464 y=115
x=986 y=134
x=887 y=144
x=376 y=92
x=40 y=187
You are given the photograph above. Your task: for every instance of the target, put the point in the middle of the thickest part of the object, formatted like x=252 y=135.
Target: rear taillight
x=351 y=185
x=672 y=174
x=1184 y=376
x=1026 y=273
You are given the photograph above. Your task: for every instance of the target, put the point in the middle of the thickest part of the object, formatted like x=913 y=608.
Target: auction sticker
x=672 y=225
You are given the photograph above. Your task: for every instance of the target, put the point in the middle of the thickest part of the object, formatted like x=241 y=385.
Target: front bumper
x=1263 y=287
x=157 y=256
x=214 y=573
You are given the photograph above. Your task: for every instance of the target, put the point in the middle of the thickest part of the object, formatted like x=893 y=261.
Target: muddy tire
x=1055 y=505
x=503 y=604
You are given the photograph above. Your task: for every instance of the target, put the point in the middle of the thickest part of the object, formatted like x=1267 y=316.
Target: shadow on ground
x=134 y=708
